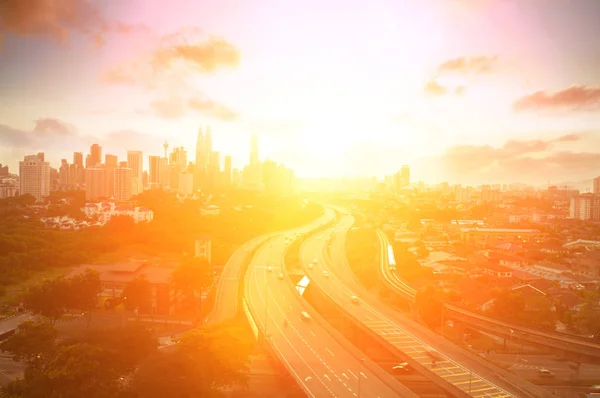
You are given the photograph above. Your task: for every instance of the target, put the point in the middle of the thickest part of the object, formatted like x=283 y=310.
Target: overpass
x=323 y=363
x=454 y=369
x=578 y=349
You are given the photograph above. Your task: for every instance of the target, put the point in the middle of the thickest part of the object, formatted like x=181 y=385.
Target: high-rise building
x=95 y=183
x=214 y=168
x=34 y=176
x=597 y=186
x=78 y=158
x=186 y=183
x=179 y=158
x=585 y=207
x=135 y=161
x=227 y=163
x=123 y=182
x=201 y=153
x=405 y=175
x=111 y=162
x=164 y=179
x=154 y=171
x=95 y=156
x=3 y=171
x=254 y=150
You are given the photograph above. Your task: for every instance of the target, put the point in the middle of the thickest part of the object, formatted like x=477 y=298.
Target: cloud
x=460 y=90
x=51 y=126
x=184 y=50
x=176 y=107
x=434 y=89
x=469 y=65
x=14 y=138
x=210 y=108
x=171 y=108
x=575 y=98
x=53 y=19
x=517 y=160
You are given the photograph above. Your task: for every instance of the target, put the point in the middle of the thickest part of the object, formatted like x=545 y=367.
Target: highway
x=11 y=323
x=454 y=369
x=318 y=360
x=561 y=341
x=227 y=294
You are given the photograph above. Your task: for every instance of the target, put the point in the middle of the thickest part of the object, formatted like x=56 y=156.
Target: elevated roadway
x=577 y=348
x=323 y=364
x=451 y=367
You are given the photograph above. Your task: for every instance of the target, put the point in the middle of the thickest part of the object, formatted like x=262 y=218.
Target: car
x=269 y=268
x=280 y=276
x=545 y=373
x=355 y=300
x=401 y=368
x=305 y=316
x=326 y=274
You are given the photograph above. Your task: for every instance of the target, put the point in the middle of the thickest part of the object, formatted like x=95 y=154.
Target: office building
x=186 y=183
x=227 y=164
x=585 y=207
x=111 y=162
x=3 y=171
x=214 y=168
x=254 y=150
x=154 y=171
x=95 y=183
x=164 y=179
x=135 y=161
x=597 y=186
x=95 y=156
x=179 y=159
x=34 y=175
x=123 y=182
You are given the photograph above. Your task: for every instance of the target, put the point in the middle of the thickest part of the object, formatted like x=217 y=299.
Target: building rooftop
x=501 y=230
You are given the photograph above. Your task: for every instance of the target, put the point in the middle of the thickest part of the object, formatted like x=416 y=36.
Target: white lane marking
x=352 y=373
x=308 y=378
x=329 y=351
x=313 y=333
x=363 y=375
x=327 y=377
x=346 y=376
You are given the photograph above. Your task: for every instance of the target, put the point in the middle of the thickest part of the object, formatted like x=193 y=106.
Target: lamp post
x=360 y=363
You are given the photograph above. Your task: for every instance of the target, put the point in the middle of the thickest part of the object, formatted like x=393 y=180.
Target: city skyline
x=523 y=102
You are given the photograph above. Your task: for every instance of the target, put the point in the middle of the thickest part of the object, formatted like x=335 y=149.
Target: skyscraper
x=227 y=170
x=135 y=161
x=179 y=158
x=201 y=154
x=95 y=156
x=123 y=182
x=254 y=150
x=405 y=175
x=597 y=186
x=34 y=176
x=111 y=162
x=95 y=183
x=154 y=171
x=214 y=168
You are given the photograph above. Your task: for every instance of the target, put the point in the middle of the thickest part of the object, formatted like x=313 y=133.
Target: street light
x=362 y=360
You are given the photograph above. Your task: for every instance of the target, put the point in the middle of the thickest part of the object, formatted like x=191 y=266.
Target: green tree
x=83 y=290
x=31 y=340
x=203 y=361
x=48 y=299
x=429 y=306
x=192 y=277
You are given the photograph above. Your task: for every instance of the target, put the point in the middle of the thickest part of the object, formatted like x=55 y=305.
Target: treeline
x=26 y=247
x=125 y=363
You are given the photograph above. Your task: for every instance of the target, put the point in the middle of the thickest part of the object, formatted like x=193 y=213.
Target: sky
x=464 y=91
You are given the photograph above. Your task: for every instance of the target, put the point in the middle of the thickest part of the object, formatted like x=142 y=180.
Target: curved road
x=322 y=366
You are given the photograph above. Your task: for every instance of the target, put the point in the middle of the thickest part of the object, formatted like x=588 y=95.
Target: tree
x=83 y=290
x=429 y=306
x=48 y=299
x=203 y=361
x=137 y=294
x=31 y=340
x=192 y=277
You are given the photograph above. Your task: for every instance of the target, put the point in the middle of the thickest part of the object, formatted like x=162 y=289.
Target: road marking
x=311 y=332
x=363 y=375
x=308 y=378
x=346 y=376
x=327 y=377
x=352 y=374
x=329 y=351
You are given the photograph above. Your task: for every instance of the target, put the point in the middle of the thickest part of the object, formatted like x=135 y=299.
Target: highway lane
x=226 y=298
x=451 y=364
x=11 y=323
x=317 y=360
